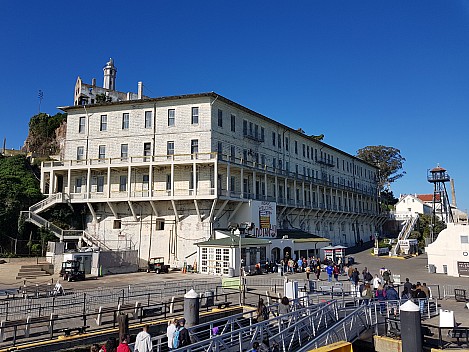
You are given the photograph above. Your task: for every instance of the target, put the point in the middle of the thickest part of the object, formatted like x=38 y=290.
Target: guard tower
x=440 y=202
x=110 y=72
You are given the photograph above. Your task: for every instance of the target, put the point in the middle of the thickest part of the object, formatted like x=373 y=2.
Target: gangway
x=239 y=331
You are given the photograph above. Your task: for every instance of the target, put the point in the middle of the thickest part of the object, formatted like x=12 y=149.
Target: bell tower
x=110 y=72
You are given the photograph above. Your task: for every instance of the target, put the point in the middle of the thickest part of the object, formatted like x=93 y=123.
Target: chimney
x=453 y=194
x=140 y=90
x=93 y=82
x=129 y=96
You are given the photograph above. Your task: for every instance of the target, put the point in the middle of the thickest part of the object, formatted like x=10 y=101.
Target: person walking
x=329 y=271
x=367 y=294
x=143 y=341
x=318 y=271
x=376 y=282
x=393 y=298
x=336 y=272
x=261 y=312
x=110 y=345
x=170 y=330
x=380 y=295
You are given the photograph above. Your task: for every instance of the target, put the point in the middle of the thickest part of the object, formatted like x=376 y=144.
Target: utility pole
x=40 y=96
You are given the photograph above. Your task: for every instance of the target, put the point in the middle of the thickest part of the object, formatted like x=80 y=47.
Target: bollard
x=123 y=321
x=191 y=308
x=411 y=329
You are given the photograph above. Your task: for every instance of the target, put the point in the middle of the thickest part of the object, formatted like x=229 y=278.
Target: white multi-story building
x=159 y=175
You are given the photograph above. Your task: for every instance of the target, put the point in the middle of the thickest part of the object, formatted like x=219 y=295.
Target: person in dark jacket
x=184 y=338
x=393 y=297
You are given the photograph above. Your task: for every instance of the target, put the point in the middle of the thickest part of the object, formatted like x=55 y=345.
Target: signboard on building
x=264 y=217
x=463 y=268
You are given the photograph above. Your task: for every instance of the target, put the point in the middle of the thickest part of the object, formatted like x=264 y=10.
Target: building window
x=80 y=153
x=124 y=151
x=103 y=124
x=100 y=184
x=117 y=224
x=256 y=131
x=233 y=153
x=194 y=146
x=81 y=125
x=125 y=121
x=250 y=128
x=195 y=116
x=245 y=128
x=232 y=184
x=102 y=152
x=304 y=151
x=274 y=163
x=78 y=183
x=170 y=148
x=168 y=182
x=171 y=117
x=146 y=151
x=220 y=118
x=122 y=183
x=220 y=149
x=262 y=134
x=233 y=123
x=279 y=139
x=286 y=144
x=145 y=182
x=296 y=147
x=274 y=138
x=263 y=160
x=148 y=119
x=464 y=239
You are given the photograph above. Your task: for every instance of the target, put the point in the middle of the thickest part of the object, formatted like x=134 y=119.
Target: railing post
x=84 y=308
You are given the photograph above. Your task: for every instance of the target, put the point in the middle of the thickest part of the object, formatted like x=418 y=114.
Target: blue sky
x=363 y=73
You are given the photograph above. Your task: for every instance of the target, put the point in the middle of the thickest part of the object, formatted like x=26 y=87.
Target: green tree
x=423 y=228
x=19 y=189
x=389 y=161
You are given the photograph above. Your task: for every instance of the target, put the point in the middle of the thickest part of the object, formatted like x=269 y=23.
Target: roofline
x=225 y=100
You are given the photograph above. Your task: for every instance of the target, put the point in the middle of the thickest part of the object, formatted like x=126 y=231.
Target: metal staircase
x=405 y=232
x=79 y=236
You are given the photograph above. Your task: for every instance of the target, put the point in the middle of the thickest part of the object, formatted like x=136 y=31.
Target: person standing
x=124 y=345
x=170 y=330
x=367 y=294
x=376 y=282
x=143 y=341
x=308 y=272
x=184 y=338
x=408 y=285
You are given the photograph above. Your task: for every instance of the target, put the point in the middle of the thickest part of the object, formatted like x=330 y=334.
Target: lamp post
x=238 y=233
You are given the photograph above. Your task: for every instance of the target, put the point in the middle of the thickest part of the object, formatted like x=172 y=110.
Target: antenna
x=40 y=96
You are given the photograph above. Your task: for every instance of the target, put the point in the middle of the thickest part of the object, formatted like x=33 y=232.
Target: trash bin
x=431 y=268
x=230 y=272
x=208 y=299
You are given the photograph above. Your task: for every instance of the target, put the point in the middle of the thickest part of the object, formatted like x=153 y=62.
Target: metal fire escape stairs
x=80 y=236
x=405 y=232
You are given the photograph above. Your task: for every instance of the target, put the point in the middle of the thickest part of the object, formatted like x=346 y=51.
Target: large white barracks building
x=159 y=175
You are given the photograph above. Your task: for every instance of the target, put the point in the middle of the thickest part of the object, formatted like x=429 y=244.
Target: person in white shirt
x=376 y=282
x=170 y=332
x=143 y=341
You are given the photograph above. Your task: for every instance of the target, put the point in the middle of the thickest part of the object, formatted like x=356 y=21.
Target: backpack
x=176 y=338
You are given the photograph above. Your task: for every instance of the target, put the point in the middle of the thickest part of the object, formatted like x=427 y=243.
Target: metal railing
x=46 y=203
